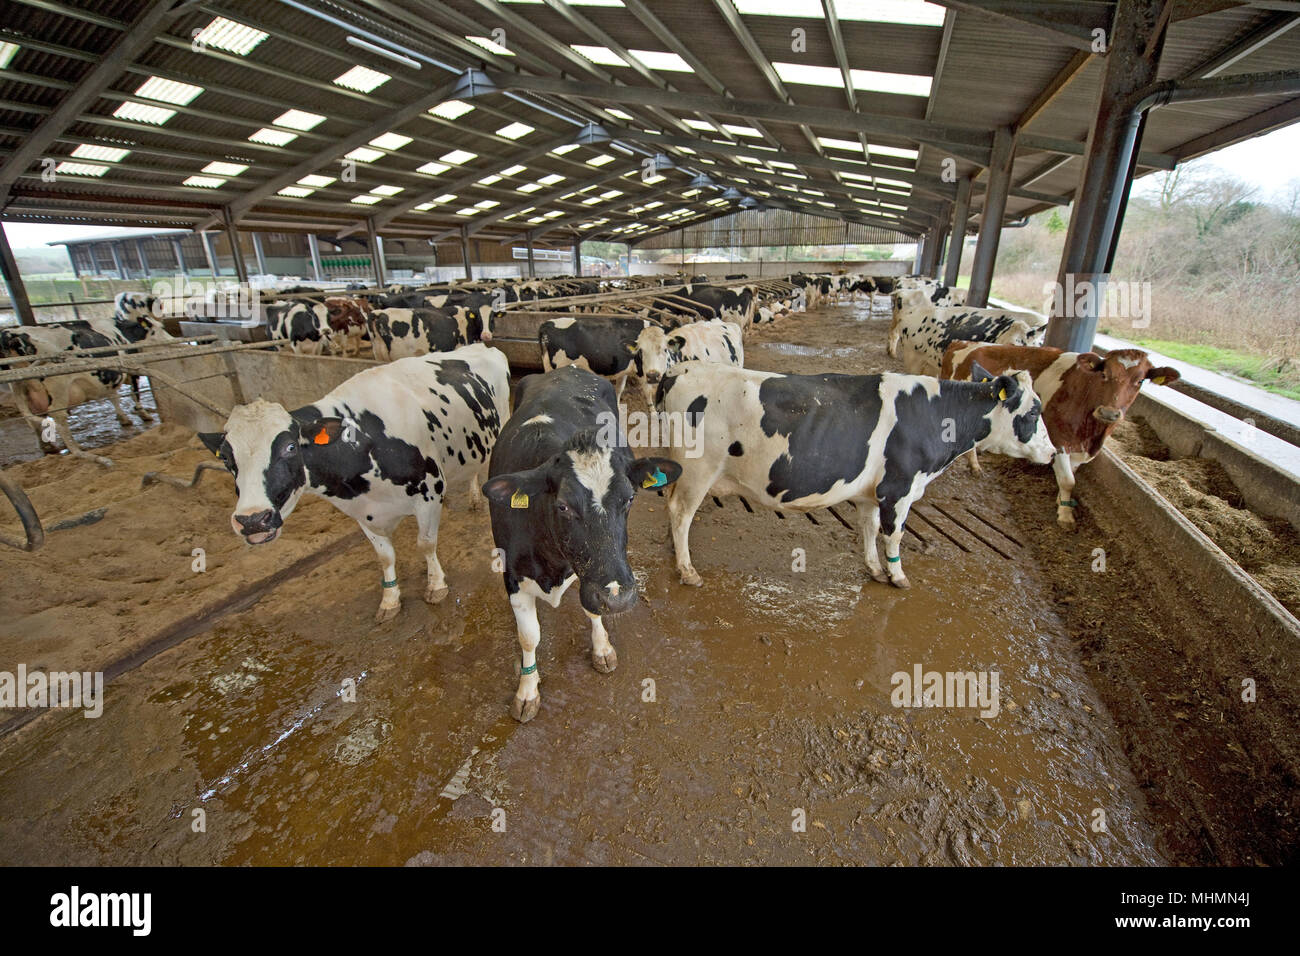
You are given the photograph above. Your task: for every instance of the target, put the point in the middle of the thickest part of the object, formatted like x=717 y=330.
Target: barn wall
x=292 y=380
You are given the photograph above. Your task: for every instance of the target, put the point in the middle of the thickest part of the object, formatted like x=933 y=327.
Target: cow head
x=1016 y=426
x=1114 y=381
x=138 y=316
x=1022 y=333
x=268 y=451
x=579 y=500
x=650 y=354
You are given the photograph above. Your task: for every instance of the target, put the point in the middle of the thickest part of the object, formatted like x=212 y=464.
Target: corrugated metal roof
x=986 y=75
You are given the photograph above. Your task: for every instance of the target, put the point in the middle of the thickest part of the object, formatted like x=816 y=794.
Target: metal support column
x=313 y=246
x=211 y=253
x=232 y=236
x=180 y=256
x=532 y=261
x=464 y=251
x=957 y=238
x=118 y=262
x=919 y=257
x=995 y=206
x=577 y=258
x=14 y=280
x=1132 y=63
x=144 y=258
x=376 y=245
x=259 y=255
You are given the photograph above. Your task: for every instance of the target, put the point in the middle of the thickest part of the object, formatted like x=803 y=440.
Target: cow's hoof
x=126 y=422
x=900 y=582
x=386 y=613
x=436 y=595
x=605 y=663
x=880 y=576
x=1067 y=523
x=692 y=577
x=525 y=710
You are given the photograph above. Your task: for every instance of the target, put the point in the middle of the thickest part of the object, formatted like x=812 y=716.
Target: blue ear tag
x=657 y=480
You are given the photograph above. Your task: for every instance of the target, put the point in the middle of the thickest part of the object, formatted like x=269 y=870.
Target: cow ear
x=978 y=373
x=328 y=431
x=517 y=489
x=653 y=472
x=1091 y=361
x=1006 y=388
x=1164 y=375
x=213 y=441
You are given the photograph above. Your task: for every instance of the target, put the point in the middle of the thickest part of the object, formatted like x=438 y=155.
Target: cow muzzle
x=1107 y=414
x=612 y=597
x=653 y=377
x=486 y=336
x=261 y=527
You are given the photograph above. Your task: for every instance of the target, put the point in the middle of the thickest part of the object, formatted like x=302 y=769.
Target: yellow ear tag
x=655 y=480
x=519 y=500
x=1003 y=395
x=1159 y=380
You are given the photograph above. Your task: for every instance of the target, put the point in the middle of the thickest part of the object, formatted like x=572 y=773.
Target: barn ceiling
x=580 y=119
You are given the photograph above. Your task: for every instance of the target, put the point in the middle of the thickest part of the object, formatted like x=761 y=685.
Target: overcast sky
x=1267 y=162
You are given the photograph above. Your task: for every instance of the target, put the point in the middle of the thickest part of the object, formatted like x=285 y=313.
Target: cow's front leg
x=428 y=518
x=603 y=656
x=893 y=516
x=869 y=523
x=527 y=697
x=683 y=501
x=391 y=602
x=973 y=460
x=1065 y=503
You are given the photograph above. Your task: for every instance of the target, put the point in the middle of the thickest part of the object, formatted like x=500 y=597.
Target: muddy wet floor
x=748 y=721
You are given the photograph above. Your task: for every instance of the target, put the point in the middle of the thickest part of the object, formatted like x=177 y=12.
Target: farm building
x=667 y=323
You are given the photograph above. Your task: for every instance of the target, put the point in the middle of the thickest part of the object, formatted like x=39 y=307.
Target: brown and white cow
x=1084 y=397
x=347 y=319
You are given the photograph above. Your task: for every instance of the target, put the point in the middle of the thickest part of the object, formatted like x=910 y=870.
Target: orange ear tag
x=322 y=438
x=519 y=500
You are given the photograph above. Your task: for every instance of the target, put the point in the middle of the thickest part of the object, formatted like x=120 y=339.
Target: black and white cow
x=912 y=304
x=391 y=441
x=563 y=481
x=613 y=348
x=799 y=442
x=710 y=341
x=471 y=307
x=922 y=342
x=734 y=303
x=303 y=323
x=400 y=333
x=54 y=396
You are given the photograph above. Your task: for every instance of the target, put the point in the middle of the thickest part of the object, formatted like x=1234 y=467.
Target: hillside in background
x=1223 y=269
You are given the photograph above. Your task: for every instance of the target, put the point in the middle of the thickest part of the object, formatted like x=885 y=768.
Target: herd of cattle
x=552 y=460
